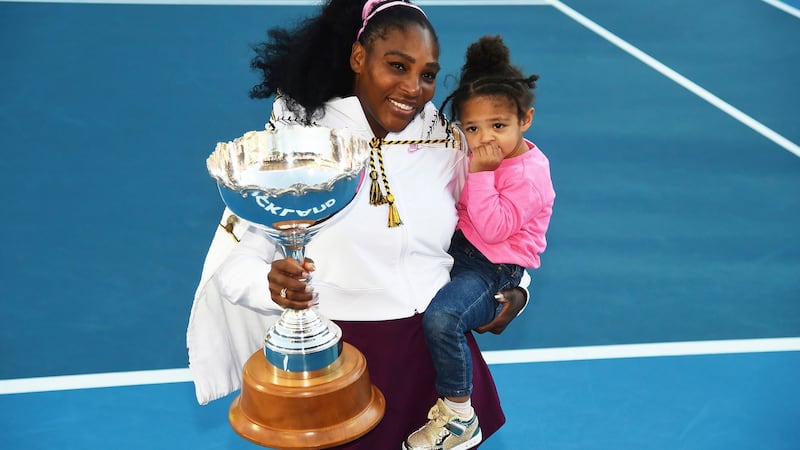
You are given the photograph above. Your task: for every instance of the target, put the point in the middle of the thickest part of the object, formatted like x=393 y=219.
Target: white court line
x=284 y=2
x=179 y=2
x=659 y=349
x=680 y=79
x=483 y=2
x=94 y=380
x=145 y=377
x=784 y=7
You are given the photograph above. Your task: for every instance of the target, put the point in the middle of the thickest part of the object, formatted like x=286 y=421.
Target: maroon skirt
x=400 y=366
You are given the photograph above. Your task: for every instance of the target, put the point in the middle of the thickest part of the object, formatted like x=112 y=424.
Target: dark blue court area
x=666 y=313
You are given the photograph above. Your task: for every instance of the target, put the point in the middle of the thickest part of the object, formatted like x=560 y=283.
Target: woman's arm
x=241 y=278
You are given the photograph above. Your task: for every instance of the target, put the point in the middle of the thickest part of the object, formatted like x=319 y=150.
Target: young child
x=504 y=211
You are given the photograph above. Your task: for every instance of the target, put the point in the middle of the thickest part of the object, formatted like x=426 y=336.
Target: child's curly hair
x=488 y=72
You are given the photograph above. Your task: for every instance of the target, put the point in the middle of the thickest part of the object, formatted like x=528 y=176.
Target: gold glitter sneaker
x=445 y=431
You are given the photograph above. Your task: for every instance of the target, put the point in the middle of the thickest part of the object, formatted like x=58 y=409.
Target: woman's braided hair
x=488 y=72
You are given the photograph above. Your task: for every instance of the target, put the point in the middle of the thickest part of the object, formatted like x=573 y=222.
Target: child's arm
x=498 y=212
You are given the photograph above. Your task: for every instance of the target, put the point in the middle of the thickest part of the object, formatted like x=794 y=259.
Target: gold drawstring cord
x=376 y=195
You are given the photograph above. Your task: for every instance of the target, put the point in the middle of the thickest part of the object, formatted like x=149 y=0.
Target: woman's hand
x=288 y=284
x=514 y=301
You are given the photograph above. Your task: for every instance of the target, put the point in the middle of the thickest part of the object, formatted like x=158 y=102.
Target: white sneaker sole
x=475 y=440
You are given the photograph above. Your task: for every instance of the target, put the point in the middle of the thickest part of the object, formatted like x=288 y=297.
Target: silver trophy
x=292 y=182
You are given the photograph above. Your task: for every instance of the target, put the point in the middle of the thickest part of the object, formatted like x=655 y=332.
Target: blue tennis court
x=666 y=314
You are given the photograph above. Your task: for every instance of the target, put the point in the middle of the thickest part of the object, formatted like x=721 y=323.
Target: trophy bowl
x=308 y=389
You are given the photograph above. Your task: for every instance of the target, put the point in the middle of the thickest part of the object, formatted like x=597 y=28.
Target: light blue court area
x=715 y=402
x=672 y=131
x=706 y=402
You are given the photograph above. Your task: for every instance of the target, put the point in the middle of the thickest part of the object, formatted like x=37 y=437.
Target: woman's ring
x=283 y=292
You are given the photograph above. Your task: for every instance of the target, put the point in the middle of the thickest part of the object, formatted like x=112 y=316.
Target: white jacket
x=365 y=270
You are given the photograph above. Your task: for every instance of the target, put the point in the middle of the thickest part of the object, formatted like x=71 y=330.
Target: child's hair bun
x=489 y=53
x=488 y=72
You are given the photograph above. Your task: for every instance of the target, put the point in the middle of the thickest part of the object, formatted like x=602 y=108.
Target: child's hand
x=486 y=157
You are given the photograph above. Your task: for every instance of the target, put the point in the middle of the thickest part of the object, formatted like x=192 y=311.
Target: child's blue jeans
x=465 y=303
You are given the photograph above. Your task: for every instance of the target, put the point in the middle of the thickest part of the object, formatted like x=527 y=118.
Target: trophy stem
x=294 y=240
x=301 y=340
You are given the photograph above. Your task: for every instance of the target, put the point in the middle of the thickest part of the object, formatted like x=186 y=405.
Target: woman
x=378 y=267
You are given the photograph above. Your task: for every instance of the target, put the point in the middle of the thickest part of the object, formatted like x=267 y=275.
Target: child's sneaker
x=445 y=431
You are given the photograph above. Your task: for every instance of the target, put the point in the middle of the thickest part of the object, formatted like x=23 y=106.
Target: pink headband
x=366 y=14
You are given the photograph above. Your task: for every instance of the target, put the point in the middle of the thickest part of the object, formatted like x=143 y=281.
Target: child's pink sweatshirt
x=505 y=213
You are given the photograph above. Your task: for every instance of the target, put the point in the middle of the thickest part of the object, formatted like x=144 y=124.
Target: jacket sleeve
x=241 y=279
x=231 y=311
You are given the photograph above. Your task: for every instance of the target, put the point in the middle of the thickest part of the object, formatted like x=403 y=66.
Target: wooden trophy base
x=306 y=410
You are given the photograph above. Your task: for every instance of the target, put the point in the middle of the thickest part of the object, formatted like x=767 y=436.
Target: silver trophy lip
x=230 y=160
x=298 y=176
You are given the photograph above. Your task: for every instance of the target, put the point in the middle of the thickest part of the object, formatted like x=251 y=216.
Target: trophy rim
x=229 y=181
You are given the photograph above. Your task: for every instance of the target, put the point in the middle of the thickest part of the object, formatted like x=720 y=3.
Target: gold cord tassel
x=375 y=195
x=394 y=215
